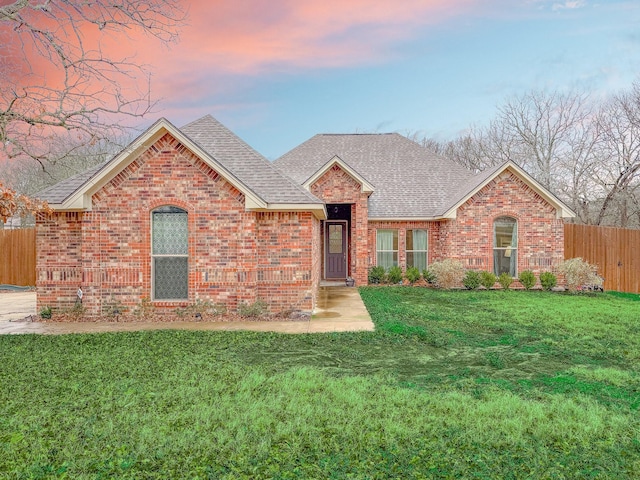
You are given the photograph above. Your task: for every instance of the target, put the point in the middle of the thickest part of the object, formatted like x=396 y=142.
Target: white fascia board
x=404 y=219
x=365 y=186
x=81 y=199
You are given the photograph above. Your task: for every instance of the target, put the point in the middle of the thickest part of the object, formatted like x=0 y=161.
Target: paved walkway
x=340 y=309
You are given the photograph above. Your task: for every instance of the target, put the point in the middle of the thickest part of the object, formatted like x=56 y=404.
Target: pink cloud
x=289 y=33
x=249 y=37
x=226 y=41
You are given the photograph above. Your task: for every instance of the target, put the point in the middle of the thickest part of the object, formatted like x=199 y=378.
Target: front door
x=335 y=250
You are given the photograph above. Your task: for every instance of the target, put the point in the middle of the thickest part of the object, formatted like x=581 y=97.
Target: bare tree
x=618 y=174
x=66 y=158
x=540 y=128
x=551 y=135
x=56 y=75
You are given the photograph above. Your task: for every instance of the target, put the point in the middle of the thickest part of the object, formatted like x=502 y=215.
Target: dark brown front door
x=336 y=250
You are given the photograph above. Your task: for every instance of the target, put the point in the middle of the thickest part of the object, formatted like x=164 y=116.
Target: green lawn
x=452 y=384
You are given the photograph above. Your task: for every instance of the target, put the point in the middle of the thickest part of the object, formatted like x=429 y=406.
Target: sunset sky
x=279 y=71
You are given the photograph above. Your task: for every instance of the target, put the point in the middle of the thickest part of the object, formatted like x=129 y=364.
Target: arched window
x=505 y=246
x=169 y=253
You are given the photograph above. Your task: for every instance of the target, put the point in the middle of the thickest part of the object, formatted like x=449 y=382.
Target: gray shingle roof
x=58 y=193
x=247 y=165
x=409 y=180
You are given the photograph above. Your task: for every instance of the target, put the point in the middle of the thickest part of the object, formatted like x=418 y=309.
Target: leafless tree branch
x=59 y=76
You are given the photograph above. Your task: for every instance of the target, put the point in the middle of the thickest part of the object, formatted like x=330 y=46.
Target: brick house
x=194 y=213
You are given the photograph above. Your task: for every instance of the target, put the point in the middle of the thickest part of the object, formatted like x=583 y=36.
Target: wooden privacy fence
x=18 y=256
x=616 y=252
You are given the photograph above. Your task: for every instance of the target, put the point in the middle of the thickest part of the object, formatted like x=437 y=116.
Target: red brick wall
x=234 y=256
x=286 y=243
x=337 y=186
x=58 y=257
x=469 y=237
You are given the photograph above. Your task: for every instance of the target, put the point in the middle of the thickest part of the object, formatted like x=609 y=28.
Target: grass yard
x=451 y=384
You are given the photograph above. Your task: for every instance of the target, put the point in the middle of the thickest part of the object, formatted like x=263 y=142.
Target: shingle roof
x=247 y=165
x=58 y=193
x=409 y=180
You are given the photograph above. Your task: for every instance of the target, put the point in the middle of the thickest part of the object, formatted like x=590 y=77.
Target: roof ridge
x=355 y=134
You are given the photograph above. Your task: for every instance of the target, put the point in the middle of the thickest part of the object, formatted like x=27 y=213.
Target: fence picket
x=616 y=252
x=18 y=256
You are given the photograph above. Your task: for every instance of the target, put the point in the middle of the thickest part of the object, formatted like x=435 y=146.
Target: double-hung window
x=170 y=253
x=505 y=246
x=387 y=248
x=416 y=246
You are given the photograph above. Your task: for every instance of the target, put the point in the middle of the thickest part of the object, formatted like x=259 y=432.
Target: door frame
x=347 y=245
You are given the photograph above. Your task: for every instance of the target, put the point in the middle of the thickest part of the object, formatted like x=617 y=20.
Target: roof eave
x=318 y=209
x=405 y=219
x=562 y=209
x=81 y=198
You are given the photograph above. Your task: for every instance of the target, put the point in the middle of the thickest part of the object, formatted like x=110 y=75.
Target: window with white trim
x=505 y=246
x=387 y=248
x=170 y=253
x=416 y=248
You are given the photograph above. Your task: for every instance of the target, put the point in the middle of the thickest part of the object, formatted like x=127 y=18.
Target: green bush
x=471 y=280
x=46 y=312
x=377 y=275
x=548 y=280
x=487 y=279
x=412 y=274
x=395 y=275
x=252 y=310
x=449 y=273
x=505 y=280
x=429 y=277
x=527 y=279
x=579 y=273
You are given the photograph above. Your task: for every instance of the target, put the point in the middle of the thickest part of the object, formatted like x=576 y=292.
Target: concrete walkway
x=339 y=309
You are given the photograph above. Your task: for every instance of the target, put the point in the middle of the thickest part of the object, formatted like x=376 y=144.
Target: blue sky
x=277 y=75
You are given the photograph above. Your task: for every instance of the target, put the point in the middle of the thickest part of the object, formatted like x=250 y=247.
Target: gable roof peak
x=263 y=186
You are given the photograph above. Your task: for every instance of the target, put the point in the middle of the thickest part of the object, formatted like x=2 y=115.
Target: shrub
x=113 y=307
x=46 y=312
x=579 y=273
x=448 y=273
x=487 y=279
x=412 y=274
x=527 y=279
x=505 y=280
x=252 y=310
x=395 y=275
x=76 y=312
x=548 y=280
x=428 y=276
x=471 y=280
x=145 y=310
x=377 y=275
